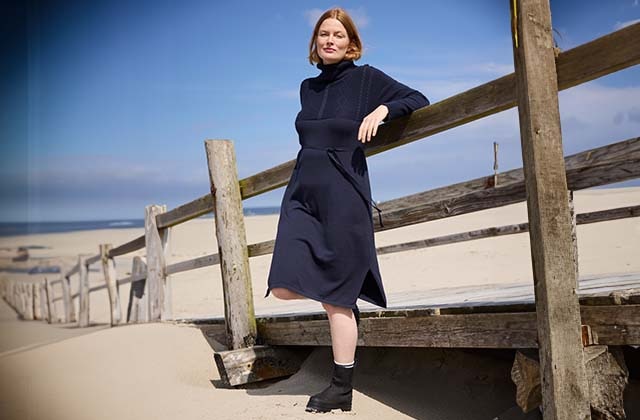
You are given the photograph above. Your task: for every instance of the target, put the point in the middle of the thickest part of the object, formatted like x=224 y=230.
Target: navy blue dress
x=324 y=247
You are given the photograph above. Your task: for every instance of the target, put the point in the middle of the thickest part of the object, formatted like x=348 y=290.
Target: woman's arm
x=399 y=99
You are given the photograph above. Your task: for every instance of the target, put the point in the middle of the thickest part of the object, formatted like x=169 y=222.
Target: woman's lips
x=329 y=50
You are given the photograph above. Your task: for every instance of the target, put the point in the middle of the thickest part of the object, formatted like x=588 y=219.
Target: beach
x=165 y=370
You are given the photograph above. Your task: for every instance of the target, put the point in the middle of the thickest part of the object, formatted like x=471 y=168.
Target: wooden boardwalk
x=488 y=316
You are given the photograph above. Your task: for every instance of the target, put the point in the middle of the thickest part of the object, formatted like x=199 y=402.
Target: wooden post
x=21 y=299
x=83 y=292
x=28 y=304
x=574 y=238
x=44 y=304
x=232 y=244
x=69 y=307
x=158 y=291
x=110 y=278
x=138 y=310
x=37 y=312
x=51 y=308
x=565 y=390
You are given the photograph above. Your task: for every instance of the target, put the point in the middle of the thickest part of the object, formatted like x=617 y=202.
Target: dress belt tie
x=332 y=155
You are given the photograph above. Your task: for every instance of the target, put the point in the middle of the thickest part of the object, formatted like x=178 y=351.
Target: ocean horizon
x=32 y=228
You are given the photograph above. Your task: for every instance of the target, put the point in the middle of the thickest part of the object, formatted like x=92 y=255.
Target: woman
x=324 y=248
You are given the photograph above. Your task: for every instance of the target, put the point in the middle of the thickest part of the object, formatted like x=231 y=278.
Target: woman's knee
x=283 y=293
x=334 y=308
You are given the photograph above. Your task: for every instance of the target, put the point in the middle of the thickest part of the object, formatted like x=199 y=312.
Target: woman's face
x=332 y=41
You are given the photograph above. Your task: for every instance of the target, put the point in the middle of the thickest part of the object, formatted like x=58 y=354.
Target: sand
x=165 y=370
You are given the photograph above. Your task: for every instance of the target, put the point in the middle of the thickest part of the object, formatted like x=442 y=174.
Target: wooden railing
x=600 y=166
x=150 y=297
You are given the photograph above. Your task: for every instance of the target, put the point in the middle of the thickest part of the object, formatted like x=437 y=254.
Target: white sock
x=347 y=365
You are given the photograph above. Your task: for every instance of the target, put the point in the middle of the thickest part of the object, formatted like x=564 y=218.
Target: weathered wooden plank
x=72 y=271
x=37 y=304
x=157 y=288
x=67 y=300
x=581 y=64
x=131 y=246
x=83 y=292
x=51 y=307
x=610 y=214
x=44 y=304
x=582 y=218
x=258 y=363
x=614 y=325
x=137 y=309
x=110 y=275
x=28 y=296
x=565 y=389
x=92 y=260
x=599 y=166
x=196 y=208
x=232 y=244
x=192 y=264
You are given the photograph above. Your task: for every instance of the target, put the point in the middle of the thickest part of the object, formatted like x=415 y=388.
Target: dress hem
x=322 y=300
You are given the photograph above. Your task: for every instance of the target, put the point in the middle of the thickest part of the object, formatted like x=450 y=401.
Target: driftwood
x=607 y=375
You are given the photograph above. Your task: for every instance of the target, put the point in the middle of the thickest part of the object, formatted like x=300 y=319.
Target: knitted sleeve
x=400 y=99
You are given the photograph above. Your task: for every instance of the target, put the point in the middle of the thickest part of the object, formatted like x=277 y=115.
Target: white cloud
x=620 y=25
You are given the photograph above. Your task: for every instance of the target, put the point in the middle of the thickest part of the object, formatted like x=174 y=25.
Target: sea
x=31 y=228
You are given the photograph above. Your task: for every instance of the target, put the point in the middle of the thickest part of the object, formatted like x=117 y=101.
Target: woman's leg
x=344 y=332
x=344 y=337
x=286 y=294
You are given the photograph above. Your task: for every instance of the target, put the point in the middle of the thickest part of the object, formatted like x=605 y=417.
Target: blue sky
x=106 y=104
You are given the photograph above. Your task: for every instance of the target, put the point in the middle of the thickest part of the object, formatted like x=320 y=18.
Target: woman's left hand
x=369 y=126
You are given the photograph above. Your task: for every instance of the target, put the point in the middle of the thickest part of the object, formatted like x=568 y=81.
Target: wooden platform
x=490 y=316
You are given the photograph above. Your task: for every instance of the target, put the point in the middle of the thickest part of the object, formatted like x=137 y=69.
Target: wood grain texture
x=83 y=292
x=614 y=325
x=137 y=308
x=131 y=246
x=110 y=275
x=565 y=389
x=156 y=246
x=37 y=305
x=50 y=306
x=44 y=305
x=258 y=363
x=232 y=244
x=599 y=166
x=67 y=301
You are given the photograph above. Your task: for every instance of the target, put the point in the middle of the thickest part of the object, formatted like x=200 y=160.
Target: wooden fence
x=559 y=326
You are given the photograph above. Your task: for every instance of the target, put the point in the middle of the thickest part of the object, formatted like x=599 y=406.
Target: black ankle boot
x=337 y=395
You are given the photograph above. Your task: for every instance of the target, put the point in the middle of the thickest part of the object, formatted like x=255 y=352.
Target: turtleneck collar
x=334 y=71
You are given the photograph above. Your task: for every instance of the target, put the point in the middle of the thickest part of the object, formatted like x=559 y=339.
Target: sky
x=105 y=105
